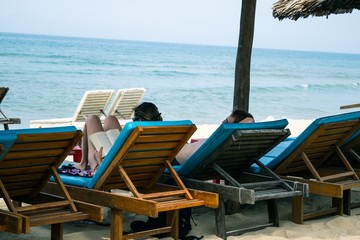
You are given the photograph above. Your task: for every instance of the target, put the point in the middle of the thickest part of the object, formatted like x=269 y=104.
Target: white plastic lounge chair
x=93 y=102
x=125 y=101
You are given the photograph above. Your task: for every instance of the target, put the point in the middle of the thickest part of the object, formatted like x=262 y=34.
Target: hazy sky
x=211 y=22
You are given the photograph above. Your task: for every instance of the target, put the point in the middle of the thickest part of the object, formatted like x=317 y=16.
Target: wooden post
x=243 y=58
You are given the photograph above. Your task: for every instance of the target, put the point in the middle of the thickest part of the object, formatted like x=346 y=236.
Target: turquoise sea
x=48 y=75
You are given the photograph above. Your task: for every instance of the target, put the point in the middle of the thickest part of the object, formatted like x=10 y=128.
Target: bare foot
x=81 y=165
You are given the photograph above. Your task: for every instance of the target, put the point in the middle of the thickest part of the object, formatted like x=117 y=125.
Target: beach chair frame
x=229 y=161
x=308 y=162
x=27 y=160
x=136 y=166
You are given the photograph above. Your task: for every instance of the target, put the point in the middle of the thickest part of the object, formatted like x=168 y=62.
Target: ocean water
x=48 y=75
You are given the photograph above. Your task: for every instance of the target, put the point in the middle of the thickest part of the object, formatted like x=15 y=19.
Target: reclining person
x=237 y=116
x=146 y=111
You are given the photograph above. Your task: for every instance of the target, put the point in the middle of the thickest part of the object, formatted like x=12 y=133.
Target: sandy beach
x=331 y=227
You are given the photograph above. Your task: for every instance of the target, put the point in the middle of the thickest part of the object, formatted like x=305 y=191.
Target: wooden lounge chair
x=135 y=162
x=28 y=158
x=351 y=150
x=229 y=151
x=93 y=102
x=306 y=159
x=125 y=101
x=3 y=118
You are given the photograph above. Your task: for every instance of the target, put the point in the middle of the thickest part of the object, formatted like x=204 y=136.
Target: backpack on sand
x=151 y=223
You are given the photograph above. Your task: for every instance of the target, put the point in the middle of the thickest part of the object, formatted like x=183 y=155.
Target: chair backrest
x=125 y=101
x=141 y=149
x=234 y=147
x=94 y=102
x=31 y=155
x=318 y=141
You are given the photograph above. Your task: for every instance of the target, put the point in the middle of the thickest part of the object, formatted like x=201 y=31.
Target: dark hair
x=240 y=115
x=147 y=111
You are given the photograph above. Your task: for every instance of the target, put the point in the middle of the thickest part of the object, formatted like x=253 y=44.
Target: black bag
x=151 y=223
x=184 y=222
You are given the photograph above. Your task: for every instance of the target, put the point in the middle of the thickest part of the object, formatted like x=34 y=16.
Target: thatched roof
x=295 y=9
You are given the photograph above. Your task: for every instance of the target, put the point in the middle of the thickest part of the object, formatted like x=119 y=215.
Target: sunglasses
x=136 y=119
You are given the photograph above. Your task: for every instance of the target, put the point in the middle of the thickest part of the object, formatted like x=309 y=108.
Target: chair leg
x=172 y=219
x=220 y=219
x=116 y=225
x=298 y=209
x=57 y=231
x=347 y=202
x=339 y=204
x=273 y=212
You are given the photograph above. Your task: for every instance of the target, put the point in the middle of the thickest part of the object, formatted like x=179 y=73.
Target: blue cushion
x=7 y=139
x=78 y=181
x=281 y=152
x=218 y=137
x=42 y=130
x=119 y=142
x=269 y=157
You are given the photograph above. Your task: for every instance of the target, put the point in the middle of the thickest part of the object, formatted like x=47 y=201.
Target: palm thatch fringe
x=294 y=9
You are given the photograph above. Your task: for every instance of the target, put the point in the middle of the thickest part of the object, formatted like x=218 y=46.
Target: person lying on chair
x=146 y=111
x=237 y=116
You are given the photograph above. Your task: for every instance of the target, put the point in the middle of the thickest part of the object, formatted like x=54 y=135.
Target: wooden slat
x=52 y=219
x=26 y=162
x=24 y=170
x=62 y=143
x=46 y=137
x=164 y=153
x=163 y=194
x=20 y=185
x=43 y=206
x=188 y=203
x=336 y=176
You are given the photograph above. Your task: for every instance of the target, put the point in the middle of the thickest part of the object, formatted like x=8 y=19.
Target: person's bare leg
x=93 y=125
x=111 y=122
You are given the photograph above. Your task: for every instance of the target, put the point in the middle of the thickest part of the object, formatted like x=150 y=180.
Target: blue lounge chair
x=134 y=163
x=226 y=154
x=306 y=159
x=28 y=157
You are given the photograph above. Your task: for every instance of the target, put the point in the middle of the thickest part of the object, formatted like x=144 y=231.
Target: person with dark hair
x=237 y=116
x=146 y=111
